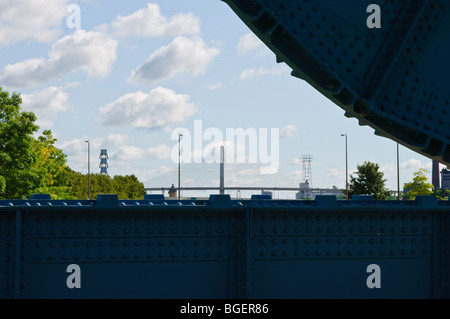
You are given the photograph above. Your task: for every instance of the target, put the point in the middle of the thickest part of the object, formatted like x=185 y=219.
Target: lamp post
x=346 y=167
x=179 y=188
x=398 y=175
x=89 y=170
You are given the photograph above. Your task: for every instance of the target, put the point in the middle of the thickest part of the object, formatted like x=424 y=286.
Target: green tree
x=77 y=184
x=17 y=158
x=50 y=165
x=442 y=194
x=369 y=181
x=419 y=184
x=126 y=187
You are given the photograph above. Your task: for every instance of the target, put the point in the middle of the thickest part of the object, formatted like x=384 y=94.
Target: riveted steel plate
x=392 y=77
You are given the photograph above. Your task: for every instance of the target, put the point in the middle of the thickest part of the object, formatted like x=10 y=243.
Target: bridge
x=237 y=177
x=388 y=78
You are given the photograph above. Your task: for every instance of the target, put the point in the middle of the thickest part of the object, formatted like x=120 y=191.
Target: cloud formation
x=255 y=73
x=159 y=108
x=249 y=43
x=47 y=103
x=288 y=131
x=182 y=56
x=149 y=22
x=130 y=152
x=34 y=20
x=93 y=52
x=50 y=100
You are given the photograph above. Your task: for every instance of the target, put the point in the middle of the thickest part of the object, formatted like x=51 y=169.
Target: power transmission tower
x=306 y=170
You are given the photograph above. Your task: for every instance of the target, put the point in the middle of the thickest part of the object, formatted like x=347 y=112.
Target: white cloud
x=388 y=169
x=150 y=22
x=114 y=140
x=78 y=146
x=334 y=172
x=159 y=108
x=412 y=164
x=255 y=73
x=183 y=55
x=76 y=150
x=161 y=151
x=214 y=86
x=46 y=103
x=130 y=152
x=93 y=52
x=250 y=43
x=288 y=131
x=36 y=20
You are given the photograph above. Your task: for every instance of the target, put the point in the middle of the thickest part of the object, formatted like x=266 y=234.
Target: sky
x=130 y=76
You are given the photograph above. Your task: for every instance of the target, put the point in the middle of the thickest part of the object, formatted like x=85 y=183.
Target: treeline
x=126 y=187
x=34 y=165
x=80 y=186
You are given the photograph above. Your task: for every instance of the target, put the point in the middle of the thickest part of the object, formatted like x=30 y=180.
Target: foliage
x=31 y=165
x=126 y=187
x=442 y=194
x=419 y=185
x=17 y=158
x=50 y=165
x=369 y=181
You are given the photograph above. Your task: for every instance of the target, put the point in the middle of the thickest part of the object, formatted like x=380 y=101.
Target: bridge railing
x=223 y=248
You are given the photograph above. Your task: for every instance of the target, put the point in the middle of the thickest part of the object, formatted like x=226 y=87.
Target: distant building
x=172 y=192
x=445 y=178
x=333 y=191
x=263 y=192
x=304 y=191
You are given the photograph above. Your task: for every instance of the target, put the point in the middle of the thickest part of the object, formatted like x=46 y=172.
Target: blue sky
x=136 y=71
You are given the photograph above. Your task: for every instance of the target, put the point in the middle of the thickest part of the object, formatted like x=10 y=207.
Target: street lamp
x=346 y=167
x=398 y=175
x=179 y=138
x=89 y=171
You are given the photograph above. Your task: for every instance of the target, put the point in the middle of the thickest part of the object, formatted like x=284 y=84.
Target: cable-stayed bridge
x=205 y=178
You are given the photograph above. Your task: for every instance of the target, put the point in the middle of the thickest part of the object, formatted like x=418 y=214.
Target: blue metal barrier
x=223 y=248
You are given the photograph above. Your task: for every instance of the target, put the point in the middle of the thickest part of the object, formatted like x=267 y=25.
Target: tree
x=442 y=194
x=50 y=165
x=419 y=184
x=29 y=165
x=17 y=158
x=369 y=181
x=126 y=187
